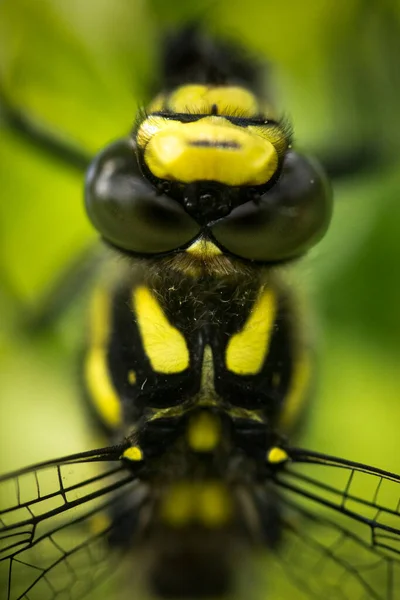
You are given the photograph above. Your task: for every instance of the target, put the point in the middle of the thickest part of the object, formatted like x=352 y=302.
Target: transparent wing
x=54 y=523
x=341 y=528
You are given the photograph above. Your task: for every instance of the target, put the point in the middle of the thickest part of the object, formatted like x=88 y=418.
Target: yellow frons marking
x=204 y=432
x=131 y=377
x=211 y=148
x=298 y=391
x=204 y=249
x=133 y=453
x=207 y=503
x=164 y=345
x=97 y=376
x=199 y=99
x=246 y=350
x=277 y=455
x=99 y=523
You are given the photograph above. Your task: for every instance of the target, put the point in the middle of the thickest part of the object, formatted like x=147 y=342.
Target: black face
x=141 y=218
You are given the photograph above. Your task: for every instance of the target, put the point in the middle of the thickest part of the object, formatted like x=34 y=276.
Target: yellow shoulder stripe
x=163 y=344
x=97 y=377
x=246 y=350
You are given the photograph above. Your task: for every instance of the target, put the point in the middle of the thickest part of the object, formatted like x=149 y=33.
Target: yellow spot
x=277 y=455
x=276 y=379
x=211 y=148
x=298 y=391
x=133 y=453
x=205 y=502
x=204 y=249
x=246 y=350
x=164 y=345
x=98 y=380
x=131 y=377
x=214 y=505
x=177 y=506
x=200 y=99
x=204 y=432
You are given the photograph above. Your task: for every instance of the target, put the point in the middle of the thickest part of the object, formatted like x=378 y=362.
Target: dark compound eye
x=128 y=211
x=284 y=222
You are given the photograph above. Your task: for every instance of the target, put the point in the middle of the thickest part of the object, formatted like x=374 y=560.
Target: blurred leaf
x=42 y=220
x=80 y=71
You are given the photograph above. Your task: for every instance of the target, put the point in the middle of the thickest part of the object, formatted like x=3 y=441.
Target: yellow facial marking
x=131 y=377
x=204 y=432
x=212 y=149
x=246 y=350
x=97 y=377
x=204 y=249
x=164 y=345
x=205 y=502
x=133 y=453
x=200 y=99
x=272 y=134
x=277 y=455
x=298 y=391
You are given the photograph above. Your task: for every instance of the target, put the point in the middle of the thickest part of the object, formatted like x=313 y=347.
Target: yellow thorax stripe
x=164 y=345
x=97 y=376
x=246 y=350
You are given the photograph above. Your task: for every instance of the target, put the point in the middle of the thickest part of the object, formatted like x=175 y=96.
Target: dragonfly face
x=198 y=368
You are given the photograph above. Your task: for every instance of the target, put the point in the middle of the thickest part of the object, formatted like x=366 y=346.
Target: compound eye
x=127 y=210
x=284 y=222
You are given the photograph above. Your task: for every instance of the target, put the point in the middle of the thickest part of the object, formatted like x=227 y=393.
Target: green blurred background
x=81 y=70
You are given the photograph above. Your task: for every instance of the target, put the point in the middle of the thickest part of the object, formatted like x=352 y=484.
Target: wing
x=54 y=524
x=341 y=528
